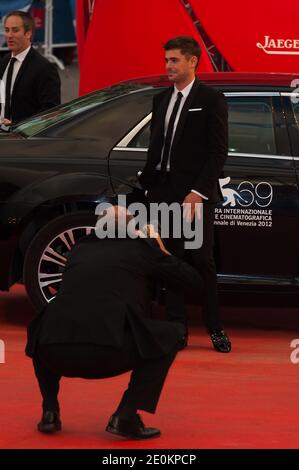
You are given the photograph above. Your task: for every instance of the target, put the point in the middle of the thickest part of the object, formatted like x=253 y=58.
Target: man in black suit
x=186 y=155
x=31 y=84
x=99 y=325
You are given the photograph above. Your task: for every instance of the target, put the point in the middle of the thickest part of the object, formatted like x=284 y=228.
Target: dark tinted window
x=72 y=112
x=251 y=128
x=110 y=120
x=141 y=140
x=296 y=110
x=294 y=127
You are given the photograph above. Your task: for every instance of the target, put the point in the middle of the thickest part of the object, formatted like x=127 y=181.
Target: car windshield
x=59 y=114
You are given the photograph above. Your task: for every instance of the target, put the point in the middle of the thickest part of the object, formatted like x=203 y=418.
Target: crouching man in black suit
x=99 y=325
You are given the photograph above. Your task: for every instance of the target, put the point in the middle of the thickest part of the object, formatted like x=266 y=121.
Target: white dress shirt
x=20 y=59
x=185 y=92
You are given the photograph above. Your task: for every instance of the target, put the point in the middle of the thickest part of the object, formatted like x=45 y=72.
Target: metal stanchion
x=49 y=35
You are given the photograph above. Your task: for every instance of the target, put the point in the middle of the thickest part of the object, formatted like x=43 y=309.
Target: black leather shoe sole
x=148 y=433
x=49 y=423
x=49 y=428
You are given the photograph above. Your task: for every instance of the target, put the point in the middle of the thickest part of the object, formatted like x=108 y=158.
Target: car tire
x=47 y=254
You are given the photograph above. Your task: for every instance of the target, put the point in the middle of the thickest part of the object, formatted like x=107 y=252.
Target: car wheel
x=47 y=254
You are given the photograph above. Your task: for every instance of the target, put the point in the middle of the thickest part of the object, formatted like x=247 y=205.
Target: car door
x=291 y=106
x=255 y=222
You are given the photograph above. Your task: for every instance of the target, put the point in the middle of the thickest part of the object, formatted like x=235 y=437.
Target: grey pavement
x=69 y=82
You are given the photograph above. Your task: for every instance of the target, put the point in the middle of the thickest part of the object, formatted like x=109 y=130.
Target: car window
x=296 y=111
x=294 y=128
x=68 y=111
x=113 y=119
x=141 y=140
x=251 y=127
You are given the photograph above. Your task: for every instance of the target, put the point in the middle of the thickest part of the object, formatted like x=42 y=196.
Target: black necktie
x=168 y=138
x=7 y=110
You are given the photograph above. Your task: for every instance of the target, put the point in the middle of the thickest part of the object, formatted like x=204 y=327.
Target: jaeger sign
x=279 y=46
x=262 y=37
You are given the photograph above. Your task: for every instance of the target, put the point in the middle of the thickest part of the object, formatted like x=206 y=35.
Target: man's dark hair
x=186 y=44
x=28 y=20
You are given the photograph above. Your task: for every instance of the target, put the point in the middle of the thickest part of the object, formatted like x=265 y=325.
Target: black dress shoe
x=131 y=428
x=50 y=422
x=184 y=342
x=220 y=341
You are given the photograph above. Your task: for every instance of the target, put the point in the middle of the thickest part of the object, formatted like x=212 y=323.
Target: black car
x=56 y=167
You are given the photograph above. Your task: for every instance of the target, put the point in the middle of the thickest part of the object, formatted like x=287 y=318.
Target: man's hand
x=5 y=122
x=150 y=231
x=190 y=206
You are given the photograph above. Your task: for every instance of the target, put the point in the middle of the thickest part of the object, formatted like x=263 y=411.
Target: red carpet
x=245 y=399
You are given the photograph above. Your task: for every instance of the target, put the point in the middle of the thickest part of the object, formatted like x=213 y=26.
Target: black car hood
x=10 y=136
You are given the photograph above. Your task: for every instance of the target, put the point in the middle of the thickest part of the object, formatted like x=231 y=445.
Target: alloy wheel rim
x=54 y=257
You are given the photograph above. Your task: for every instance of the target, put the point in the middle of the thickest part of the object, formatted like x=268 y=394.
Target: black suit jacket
x=200 y=143
x=36 y=88
x=107 y=284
